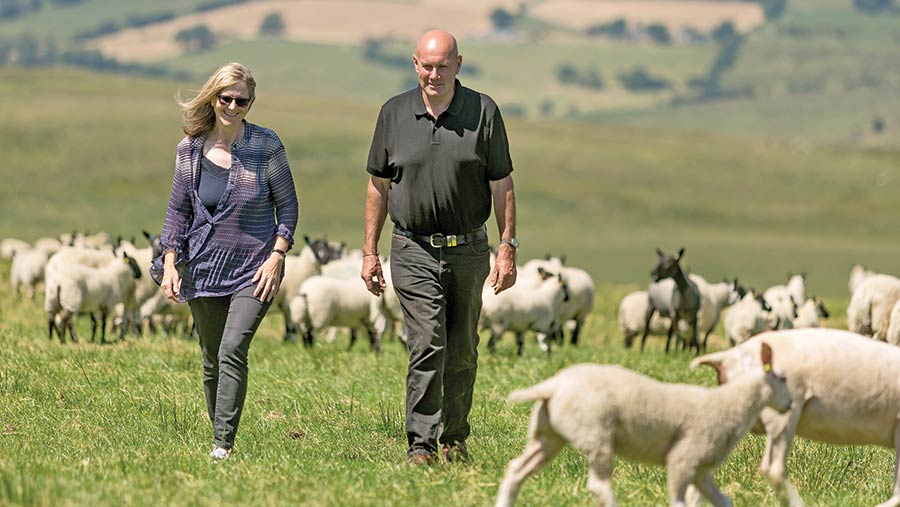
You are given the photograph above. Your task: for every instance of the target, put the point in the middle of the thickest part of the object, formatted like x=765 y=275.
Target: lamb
x=785 y=299
x=748 y=317
x=297 y=268
x=809 y=313
x=870 y=306
x=632 y=312
x=27 y=270
x=530 y=305
x=682 y=302
x=609 y=410
x=857 y=275
x=86 y=289
x=845 y=388
x=10 y=246
x=580 y=304
x=323 y=301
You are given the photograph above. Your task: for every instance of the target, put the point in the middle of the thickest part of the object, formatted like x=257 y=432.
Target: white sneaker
x=220 y=453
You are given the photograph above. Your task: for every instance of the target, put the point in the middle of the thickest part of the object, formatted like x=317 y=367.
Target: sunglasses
x=225 y=100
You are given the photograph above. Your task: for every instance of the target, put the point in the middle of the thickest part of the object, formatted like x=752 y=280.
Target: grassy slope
x=94 y=153
x=124 y=424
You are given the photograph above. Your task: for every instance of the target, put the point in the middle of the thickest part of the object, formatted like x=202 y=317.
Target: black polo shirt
x=440 y=168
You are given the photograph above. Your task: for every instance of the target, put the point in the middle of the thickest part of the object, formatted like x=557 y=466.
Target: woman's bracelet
x=370 y=253
x=280 y=252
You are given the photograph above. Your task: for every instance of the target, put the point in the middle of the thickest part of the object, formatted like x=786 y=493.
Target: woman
x=223 y=250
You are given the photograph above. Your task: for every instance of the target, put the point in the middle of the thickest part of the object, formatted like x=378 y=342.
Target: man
x=439 y=156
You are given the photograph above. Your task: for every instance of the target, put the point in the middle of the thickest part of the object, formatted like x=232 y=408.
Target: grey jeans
x=226 y=325
x=440 y=293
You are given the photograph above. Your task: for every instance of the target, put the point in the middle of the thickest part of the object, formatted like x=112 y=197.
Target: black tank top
x=213 y=179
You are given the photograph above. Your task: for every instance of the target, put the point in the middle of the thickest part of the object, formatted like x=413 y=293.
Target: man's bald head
x=437 y=41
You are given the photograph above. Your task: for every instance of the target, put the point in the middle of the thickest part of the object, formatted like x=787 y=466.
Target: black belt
x=443 y=240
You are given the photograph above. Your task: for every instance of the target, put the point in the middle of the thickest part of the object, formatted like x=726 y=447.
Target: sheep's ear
x=659 y=253
x=562 y=259
x=307 y=240
x=542 y=272
x=547 y=256
x=147 y=235
x=714 y=361
x=765 y=354
x=681 y=253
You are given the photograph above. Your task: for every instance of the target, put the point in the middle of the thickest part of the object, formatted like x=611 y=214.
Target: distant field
x=95 y=152
x=351 y=22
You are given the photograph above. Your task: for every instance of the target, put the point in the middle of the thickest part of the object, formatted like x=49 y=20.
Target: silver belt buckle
x=433 y=238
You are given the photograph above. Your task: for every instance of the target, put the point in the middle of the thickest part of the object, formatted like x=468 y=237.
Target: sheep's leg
x=573 y=339
x=543 y=343
x=600 y=477
x=103 y=328
x=69 y=322
x=520 y=343
x=93 y=327
x=707 y=486
x=647 y=317
x=673 y=329
x=695 y=340
x=894 y=501
x=780 y=429
x=538 y=452
x=492 y=342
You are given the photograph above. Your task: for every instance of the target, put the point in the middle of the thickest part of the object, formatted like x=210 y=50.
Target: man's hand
x=372 y=275
x=503 y=275
x=268 y=278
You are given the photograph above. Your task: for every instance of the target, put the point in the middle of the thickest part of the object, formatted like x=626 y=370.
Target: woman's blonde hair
x=197 y=113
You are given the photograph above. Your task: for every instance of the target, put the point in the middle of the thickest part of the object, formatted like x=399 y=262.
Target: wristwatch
x=513 y=242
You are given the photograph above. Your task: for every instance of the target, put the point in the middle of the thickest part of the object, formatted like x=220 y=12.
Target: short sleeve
x=377 y=164
x=499 y=163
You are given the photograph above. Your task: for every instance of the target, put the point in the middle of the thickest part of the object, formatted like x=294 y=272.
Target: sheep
x=145 y=288
x=682 y=302
x=713 y=299
x=749 y=316
x=607 y=410
x=160 y=310
x=809 y=313
x=785 y=299
x=845 y=389
x=870 y=306
x=27 y=270
x=580 y=304
x=86 y=289
x=10 y=246
x=323 y=301
x=61 y=262
x=857 y=275
x=297 y=268
x=532 y=304
x=892 y=335
x=49 y=245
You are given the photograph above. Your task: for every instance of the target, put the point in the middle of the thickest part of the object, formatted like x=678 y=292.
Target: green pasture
x=124 y=424
x=91 y=152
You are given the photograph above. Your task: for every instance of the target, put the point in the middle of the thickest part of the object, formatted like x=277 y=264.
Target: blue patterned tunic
x=217 y=254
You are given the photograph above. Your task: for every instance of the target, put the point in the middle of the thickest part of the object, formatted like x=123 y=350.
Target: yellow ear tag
x=767 y=367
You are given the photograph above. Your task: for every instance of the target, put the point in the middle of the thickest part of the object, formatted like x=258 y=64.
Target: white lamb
x=857 y=275
x=61 y=262
x=809 y=313
x=748 y=317
x=297 y=269
x=532 y=304
x=27 y=270
x=9 y=247
x=633 y=311
x=333 y=302
x=606 y=411
x=870 y=306
x=845 y=387
x=573 y=312
x=86 y=289
x=785 y=299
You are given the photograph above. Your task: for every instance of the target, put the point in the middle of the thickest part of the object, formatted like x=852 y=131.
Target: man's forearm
x=376 y=212
x=504 y=206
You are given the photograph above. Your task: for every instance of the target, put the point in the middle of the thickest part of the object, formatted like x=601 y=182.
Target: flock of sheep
x=828 y=385
x=100 y=277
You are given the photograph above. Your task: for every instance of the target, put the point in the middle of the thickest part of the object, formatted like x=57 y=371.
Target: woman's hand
x=171 y=280
x=268 y=277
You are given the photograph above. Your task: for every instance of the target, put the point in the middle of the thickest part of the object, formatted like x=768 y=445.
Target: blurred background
x=760 y=135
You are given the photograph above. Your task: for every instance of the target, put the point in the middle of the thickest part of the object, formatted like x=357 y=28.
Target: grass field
x=124 y=424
